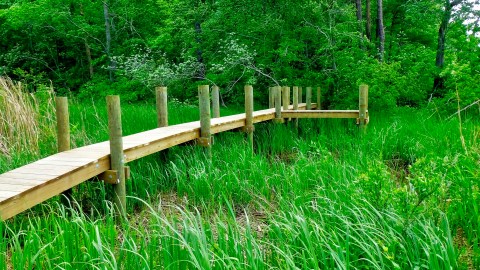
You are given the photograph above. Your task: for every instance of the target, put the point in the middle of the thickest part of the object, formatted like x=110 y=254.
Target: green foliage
x=130 y=89
x=404 y=196
x=265 y=43
x=463 y=79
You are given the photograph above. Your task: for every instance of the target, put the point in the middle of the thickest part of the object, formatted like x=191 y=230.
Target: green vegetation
x=427 y=51
x=404 y=196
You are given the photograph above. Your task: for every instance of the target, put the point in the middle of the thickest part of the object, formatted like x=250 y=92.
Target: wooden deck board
x=16 y=188
x=62 y=163
x=29 y=185
x=20 y=182
x=25 y=175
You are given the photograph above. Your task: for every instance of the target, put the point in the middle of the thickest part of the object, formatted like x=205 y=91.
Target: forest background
x=411 y=52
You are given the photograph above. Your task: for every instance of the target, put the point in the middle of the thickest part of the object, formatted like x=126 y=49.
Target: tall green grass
x=405 y=196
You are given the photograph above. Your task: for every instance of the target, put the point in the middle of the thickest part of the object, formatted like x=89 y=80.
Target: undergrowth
x=405 y=196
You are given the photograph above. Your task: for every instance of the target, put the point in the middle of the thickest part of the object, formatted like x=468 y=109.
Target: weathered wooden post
x=308 y=98
x=288 y=97
x=300 y=95
x=215 y=102
x=271 y=98
x=162 y=115
x=277 y=93
x=319 y=98
x=285 y=98
x=295 y=103
x=117 y=160
x=363 y=108
x=63 y=137
x=162 y=107
x=63 y=124
x=204 y=106
x=295 y=98
x=249 y=128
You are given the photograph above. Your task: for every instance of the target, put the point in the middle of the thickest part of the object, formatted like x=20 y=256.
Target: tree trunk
x=89 y=59
x=358 y=3
x=397 y=14
x=368 y=29
x=88 y=52
x=438 y=82
x=380 y=31
x=108 y=37
x=198 y=39
x=442 y=32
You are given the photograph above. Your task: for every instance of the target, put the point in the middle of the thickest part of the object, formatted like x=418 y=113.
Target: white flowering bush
x=234 y=62
x=143 y=66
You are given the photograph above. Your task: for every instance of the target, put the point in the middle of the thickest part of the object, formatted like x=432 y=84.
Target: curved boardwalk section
x=27 y=186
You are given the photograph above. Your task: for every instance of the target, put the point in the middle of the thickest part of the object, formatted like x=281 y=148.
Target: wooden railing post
x=277 y=93
x=308 y=98
x=319 y=98
x=162 y=106
x=295 y=103
x=63 y=137
x=363 y=108
x=249 y=128
x=215 y=102
x=295 y=98
x=117 y=160
x=63 y=124
x=288 y=97
x=205 y=121
x=285 y=98
x=300 y=95
x=161 y=94
x=271 y=98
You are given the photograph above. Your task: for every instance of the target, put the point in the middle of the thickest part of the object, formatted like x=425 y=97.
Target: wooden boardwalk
x=32 y=184
x=27 y=186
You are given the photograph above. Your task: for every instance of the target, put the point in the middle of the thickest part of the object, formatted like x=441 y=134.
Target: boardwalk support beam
x=111 y=176
x=117 y=158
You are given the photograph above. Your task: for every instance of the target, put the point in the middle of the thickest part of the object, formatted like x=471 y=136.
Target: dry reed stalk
x=23 y=121
x=460 y=128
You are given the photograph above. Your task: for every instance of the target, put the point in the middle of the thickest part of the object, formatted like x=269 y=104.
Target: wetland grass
x=403 y=197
